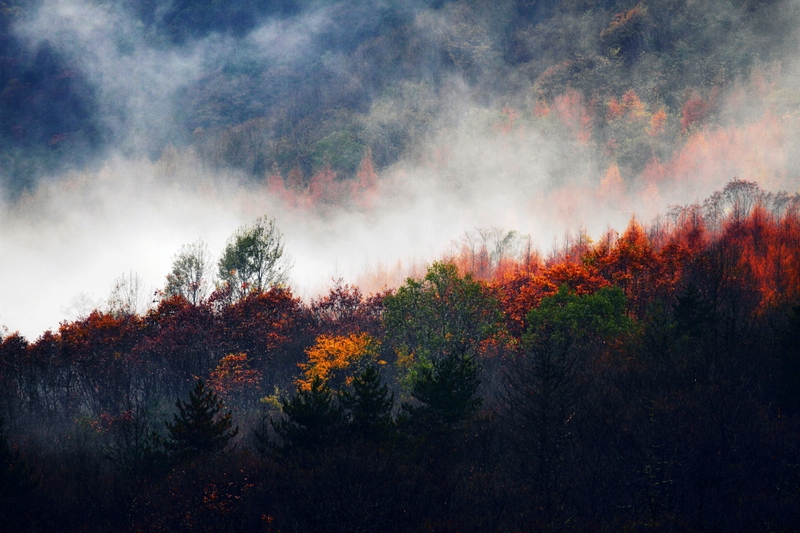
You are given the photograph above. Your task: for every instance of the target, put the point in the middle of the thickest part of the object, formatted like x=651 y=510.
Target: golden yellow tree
x=335 y=359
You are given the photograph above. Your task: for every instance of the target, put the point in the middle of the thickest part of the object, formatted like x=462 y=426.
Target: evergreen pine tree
x=448 y=389
x=198 y=427
x=369 y=406
x=312 y=419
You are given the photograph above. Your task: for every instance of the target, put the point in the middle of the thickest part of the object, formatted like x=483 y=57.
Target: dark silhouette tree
x=448 y=391
x=16 y=485
x=312 y=419
x=199 y=428
x=788 y=388
x=369 y=406
x=545 y=394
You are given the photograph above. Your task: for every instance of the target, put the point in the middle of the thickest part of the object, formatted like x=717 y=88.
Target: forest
x=643 y=378
x=646 y=381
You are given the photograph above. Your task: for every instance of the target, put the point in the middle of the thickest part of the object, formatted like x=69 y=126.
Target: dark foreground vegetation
x=648 y=381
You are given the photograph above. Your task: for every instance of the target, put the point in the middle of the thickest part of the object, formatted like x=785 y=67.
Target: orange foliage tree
x=336 y=359
x=631 y=264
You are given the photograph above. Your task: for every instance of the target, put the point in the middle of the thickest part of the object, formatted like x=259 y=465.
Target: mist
x=476 y=156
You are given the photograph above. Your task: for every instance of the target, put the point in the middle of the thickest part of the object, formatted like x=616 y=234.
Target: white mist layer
x=73 y=236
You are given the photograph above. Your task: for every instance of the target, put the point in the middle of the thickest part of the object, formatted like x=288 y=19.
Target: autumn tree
x=235 y=380
x=272 y=327
x=626 y=34
x=346 y=310
x=181 y=344
x=254 y=259
x=107 y=367
x=336 y=359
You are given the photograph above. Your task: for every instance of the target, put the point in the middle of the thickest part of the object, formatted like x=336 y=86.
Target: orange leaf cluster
x=335 y=359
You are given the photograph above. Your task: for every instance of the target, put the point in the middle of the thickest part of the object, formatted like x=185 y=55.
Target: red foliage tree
x=180 y=345
x=101 y=348
x=272 y=327
x=345 y=310
x=694 y=110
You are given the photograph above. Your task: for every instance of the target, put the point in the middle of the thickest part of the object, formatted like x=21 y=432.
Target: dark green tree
x=312 y=419
x=437 y=325
x=448 y=391
x=440 y=315
x=546 y=389
x=369 y=406
x=132 y=445
x=199 y=428
x=694 y=316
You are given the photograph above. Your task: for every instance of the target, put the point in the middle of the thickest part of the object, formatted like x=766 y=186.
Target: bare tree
x=487 y=250
x=81 y=306
x=127 y=295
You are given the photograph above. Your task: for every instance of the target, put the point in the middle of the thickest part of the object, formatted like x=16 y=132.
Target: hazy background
x=132 y=128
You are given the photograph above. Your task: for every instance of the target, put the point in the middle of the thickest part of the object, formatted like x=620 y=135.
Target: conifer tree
x=369 y=405
x=312 y=418
x=199 y=428
x=448 y=390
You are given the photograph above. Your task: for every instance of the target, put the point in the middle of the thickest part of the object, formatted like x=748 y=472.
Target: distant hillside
x=306 y=85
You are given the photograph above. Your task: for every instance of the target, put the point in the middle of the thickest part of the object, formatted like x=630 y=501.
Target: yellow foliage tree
x=335 y=359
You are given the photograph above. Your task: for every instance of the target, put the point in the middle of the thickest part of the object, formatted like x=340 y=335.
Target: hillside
x=282 y=87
